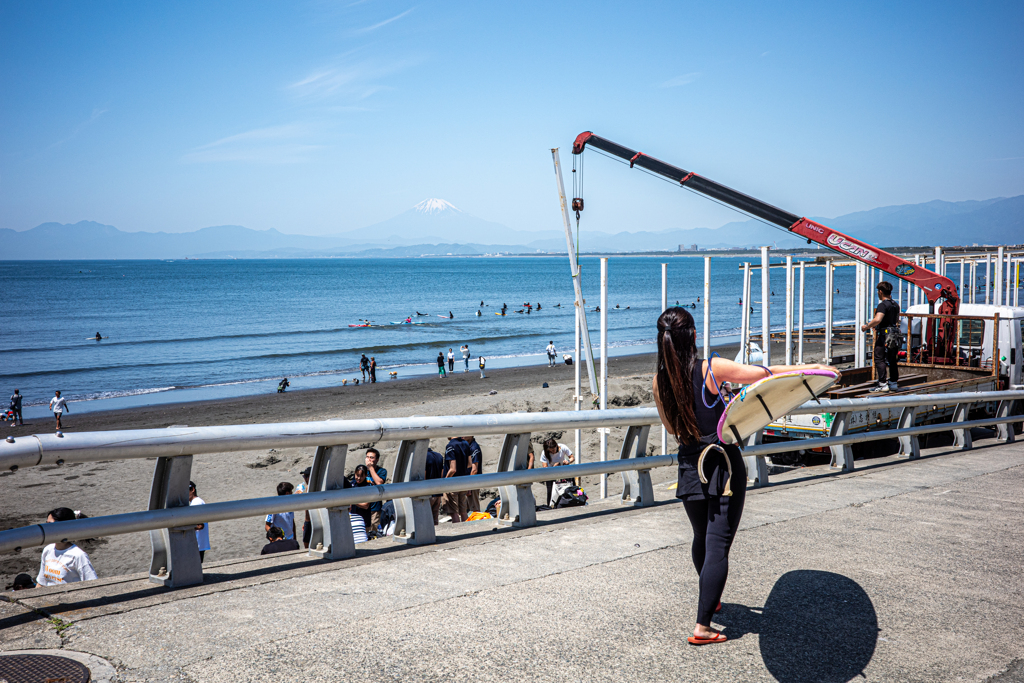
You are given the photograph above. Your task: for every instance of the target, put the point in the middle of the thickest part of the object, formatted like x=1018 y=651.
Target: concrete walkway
x=905 y=571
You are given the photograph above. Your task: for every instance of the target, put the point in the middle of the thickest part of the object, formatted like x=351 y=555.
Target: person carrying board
x=686 y=390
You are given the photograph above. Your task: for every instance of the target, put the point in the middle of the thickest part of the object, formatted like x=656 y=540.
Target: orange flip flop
x=717 y=638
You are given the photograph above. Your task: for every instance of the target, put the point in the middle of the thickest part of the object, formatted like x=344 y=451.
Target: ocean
x=197 y=329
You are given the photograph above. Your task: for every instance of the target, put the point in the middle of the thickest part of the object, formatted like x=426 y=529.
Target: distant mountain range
x=435 y=227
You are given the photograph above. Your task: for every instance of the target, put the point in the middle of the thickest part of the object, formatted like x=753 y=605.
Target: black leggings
x=714 y=523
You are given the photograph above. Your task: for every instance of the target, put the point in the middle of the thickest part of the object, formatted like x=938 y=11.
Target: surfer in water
x=686 y=391
x=98 y=336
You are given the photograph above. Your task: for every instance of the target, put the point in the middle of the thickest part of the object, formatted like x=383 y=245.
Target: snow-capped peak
x=433 y=206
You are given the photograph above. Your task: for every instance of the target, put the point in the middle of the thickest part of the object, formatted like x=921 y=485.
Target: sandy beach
x=111 y=487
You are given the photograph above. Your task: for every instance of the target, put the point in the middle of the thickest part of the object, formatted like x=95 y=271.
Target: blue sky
x=324 y=117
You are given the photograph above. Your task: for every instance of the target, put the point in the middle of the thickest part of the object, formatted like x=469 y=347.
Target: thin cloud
x=96 y=113
x=765 y=54
x=385 y=22
x=283 y=144
x=348 y=82
x=685 y=79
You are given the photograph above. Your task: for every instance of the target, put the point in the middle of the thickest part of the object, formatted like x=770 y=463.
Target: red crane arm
x=935 y=286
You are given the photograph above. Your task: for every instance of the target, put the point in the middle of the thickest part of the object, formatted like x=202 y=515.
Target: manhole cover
x=42 y=669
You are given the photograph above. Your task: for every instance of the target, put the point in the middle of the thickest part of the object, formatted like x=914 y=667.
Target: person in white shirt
x=284 y=520
x=63 y=562
x=551 y=354
x=554 y=454
x=451 y=360
x=465 y=356
x=58 y=405
x=202 y=530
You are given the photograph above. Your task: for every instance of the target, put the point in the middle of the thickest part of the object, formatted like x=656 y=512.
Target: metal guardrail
x=170 y=520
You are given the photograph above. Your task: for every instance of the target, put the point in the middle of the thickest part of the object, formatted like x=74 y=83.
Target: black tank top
x=707 y=418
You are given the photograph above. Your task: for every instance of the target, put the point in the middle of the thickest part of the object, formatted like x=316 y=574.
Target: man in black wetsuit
x=886 y=320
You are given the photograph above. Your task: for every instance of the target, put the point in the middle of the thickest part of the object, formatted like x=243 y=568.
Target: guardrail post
x=175 y=551
x=1004 y=431
x=909 y=447
x=636 y=484
x=332 y=527
x=962 y=437
x=414 y=521
x=518 y=507
x=842 y=456
x=756 y=465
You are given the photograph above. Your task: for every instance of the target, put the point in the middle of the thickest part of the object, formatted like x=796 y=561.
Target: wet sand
x=110 y=487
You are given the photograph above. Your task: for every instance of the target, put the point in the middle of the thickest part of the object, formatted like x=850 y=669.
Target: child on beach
x=483 y=362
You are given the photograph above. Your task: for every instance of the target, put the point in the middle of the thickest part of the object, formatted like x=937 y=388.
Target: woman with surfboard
x=686 y=390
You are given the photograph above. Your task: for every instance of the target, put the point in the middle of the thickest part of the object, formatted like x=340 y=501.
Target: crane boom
x=935 y=285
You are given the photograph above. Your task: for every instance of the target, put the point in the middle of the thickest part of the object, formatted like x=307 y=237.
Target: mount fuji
x=436 y=221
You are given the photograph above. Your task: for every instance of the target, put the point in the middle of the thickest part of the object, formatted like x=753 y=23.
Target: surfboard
x=361 y=325
x=766 y=400
x=95 y=339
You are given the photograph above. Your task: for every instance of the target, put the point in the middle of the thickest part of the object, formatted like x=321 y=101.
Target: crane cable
x=577 y=199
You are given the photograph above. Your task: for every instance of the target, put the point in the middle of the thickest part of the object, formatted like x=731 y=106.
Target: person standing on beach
x=476 y=466
x=483 y=362
x=58 y=405
x=307 y=525
x=465 y=356
x=456 y=459
x=364 y=365
x=202 y=530
x=378 y=476
x=440 y=365
x=373 y=370
x=16 y=405
x=451 y=360
x=551 y=354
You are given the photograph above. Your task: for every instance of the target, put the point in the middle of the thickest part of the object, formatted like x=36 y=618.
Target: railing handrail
x=189 y=441
x=132 y=522
x=49 y=449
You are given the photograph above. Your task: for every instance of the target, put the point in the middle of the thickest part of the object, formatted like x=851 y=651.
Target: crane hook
x=577 y=206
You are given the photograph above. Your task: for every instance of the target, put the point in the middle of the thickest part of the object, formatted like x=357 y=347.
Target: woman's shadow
x=815 y=626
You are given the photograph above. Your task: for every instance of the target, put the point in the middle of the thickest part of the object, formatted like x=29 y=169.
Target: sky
x=325 y=117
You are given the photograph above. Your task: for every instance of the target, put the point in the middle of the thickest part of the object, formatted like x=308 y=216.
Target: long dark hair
x=677 y=354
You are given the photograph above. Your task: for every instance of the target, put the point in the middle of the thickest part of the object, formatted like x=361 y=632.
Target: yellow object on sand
x=474 y=516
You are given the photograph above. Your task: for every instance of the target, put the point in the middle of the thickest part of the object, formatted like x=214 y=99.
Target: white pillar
x=988 y=277
x=830 y=291
x=800 y=319
x=707 y=307
x=789 y=310
x=859 y=353
x=766 y=315
x=577 y=399
x=664 y=306
x=962 y=290
x=1009 y=274
x=745 y=316
x=917 y=290
x=998 y=280
x=940 y=262
x=604 y=368
x=974 y=280
x=1016 y=286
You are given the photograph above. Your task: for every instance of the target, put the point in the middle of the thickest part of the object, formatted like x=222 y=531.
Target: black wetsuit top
x=689 y=486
